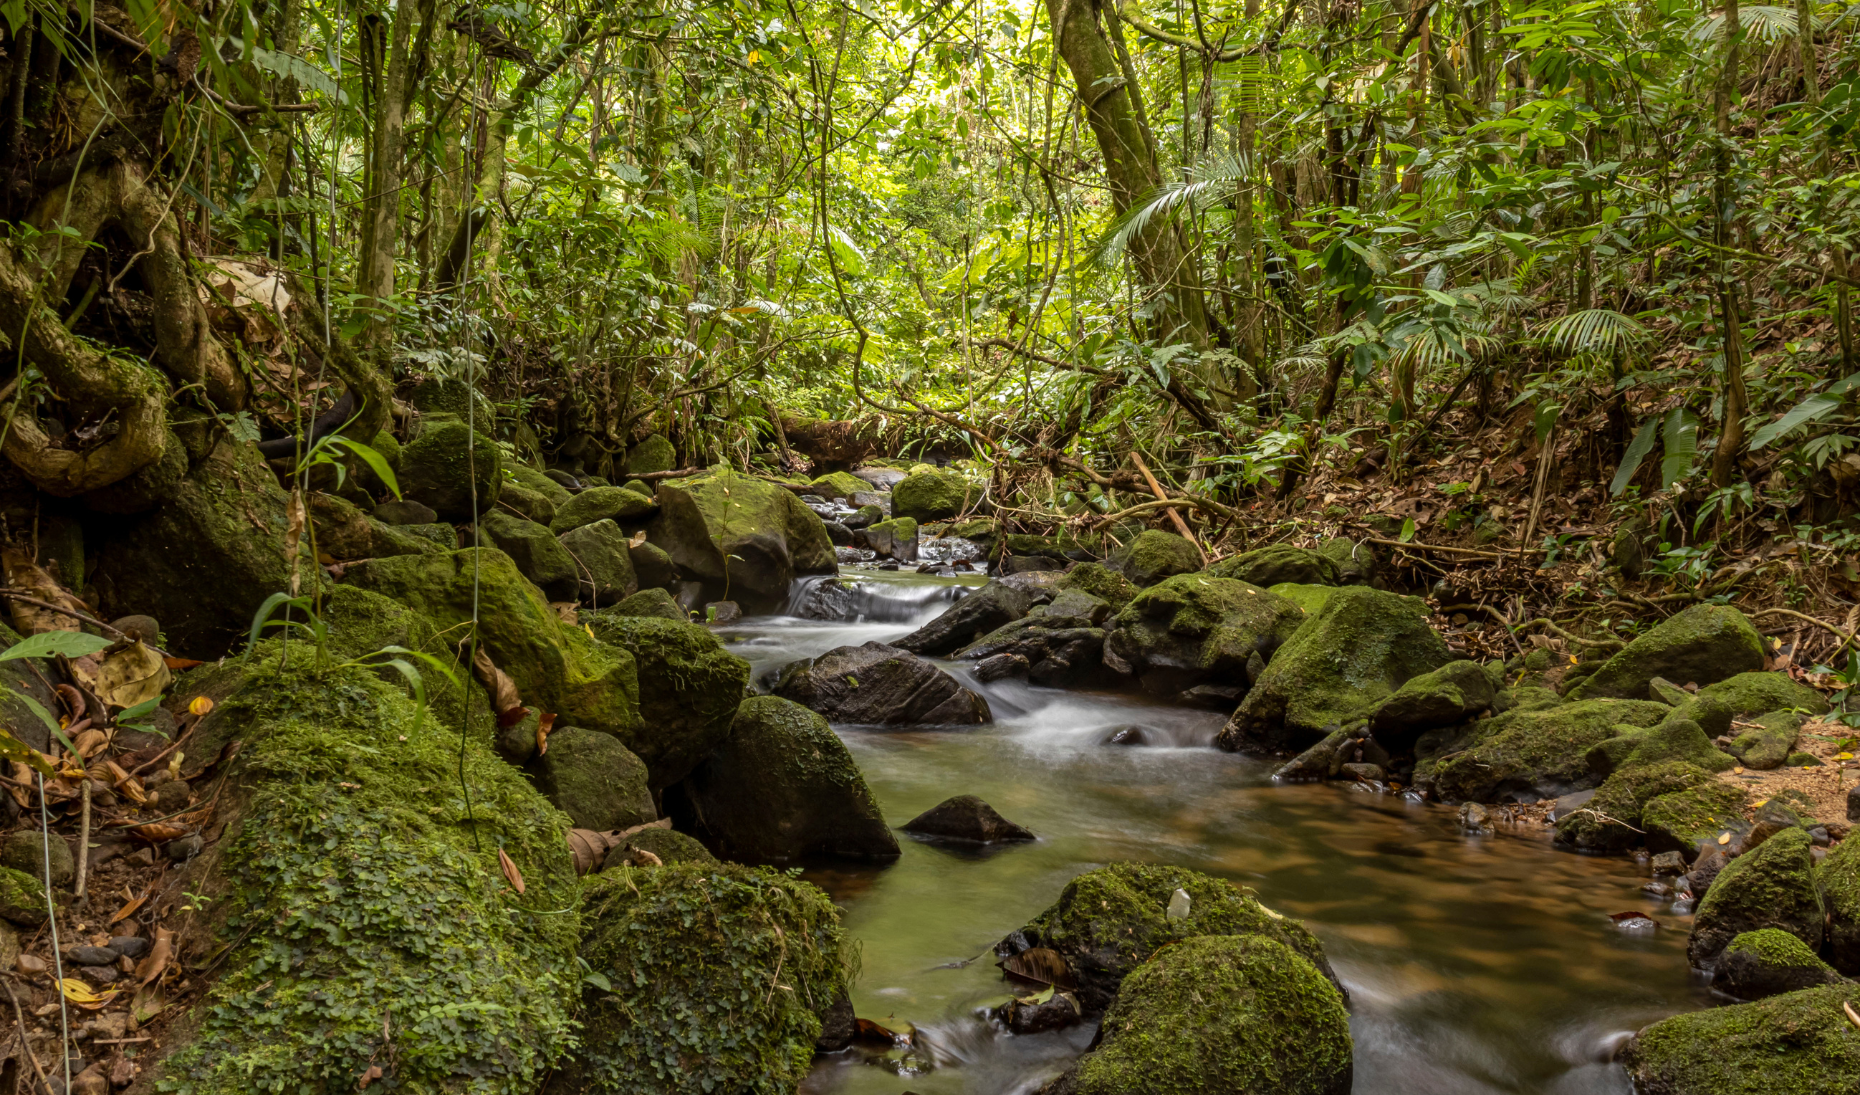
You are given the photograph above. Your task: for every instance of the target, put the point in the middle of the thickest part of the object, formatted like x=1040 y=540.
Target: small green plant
x=1848 y=677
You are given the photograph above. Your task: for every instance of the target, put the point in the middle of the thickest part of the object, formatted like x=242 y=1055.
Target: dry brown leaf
x=567 y=611
x=544 y=724
x=294 y=533
x=159 y=832
x=147 y=1003
x=511 y=874
x=496 y=682
x=588 y=848
x=640 y=857
x=91 y=742
x=129 y=909
x=128 y=675
x=374 y=1073
x=153 y=966
x=182 y=663
x=638 y=539
x=1852 y=1016
x=32 y=580
x=1041 y=965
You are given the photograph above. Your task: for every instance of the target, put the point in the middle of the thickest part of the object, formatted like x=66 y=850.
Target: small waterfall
x=849 y=599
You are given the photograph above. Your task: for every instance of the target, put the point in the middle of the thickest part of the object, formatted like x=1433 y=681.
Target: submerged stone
x=966 y=818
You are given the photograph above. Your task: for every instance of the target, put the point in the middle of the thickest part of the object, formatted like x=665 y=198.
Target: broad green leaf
x=375 y=461
x=1681 y=437
x=72 y=644
x=1636 y=452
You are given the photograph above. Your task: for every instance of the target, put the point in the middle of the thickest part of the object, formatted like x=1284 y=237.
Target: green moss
x=528 y=504
x=1771 y=886
x=1155 y=555
x=1101 y=582
x=744 y=538
x=1193 y=628
x=600 y=504
x=22 y=898
x=1703 y=644
x=671 y=847
x=930 y=495
x=361 y=623
x=1308 y=597
x=639 y=487
x=1223 y=1015
x=1681 y=820
x=886 y=536
x=1750 y=694
x=653 y=454
x=593 y=779
x=1537 y=753
x=838 y=484
x=1355 y=563
x=1269 y=566
x=539 y=556
x=1838 y=878
x=655 y=603
x=531 y=479
x=446 y=463
x=689 y=689
x=1610 y=822
x=1775 y=948
x=1109 y=921
x=1673 y=738
x=715 y=978
x=1795 y=1044
x=1770 y=742
x=1803 y=760
x=362 y=888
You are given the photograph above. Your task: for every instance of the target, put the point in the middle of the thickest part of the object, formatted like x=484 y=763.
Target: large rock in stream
x=689 y=689
x=1527 y=755
x=881 y=685
x=1155 y=555
x=745 y=539
x=995 y=605
x=1772 y=886
x=1799 y=1043
x=452 y=468
x=1192 y=629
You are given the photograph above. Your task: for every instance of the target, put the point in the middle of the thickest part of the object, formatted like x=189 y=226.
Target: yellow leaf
x=754 y=55
x=1724 y=838
x=80 y=994
x=200 y=706
x=1843 y=756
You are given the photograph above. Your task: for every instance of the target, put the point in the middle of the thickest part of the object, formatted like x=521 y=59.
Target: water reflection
x=1476 y=965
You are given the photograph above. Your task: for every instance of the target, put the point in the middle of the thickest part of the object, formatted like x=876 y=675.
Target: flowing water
x=1474 y=964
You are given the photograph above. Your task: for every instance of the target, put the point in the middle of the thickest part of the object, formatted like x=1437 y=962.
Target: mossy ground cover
x=1796 y=1044
x=361 y=897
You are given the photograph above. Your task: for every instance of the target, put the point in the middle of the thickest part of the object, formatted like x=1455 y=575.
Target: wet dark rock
x=1190 y=630
x=1060 y=650
x=405 y=512
x=740 y=536
x=1474 y=818
x=837 y=1024
x=1657 y=888
x=1771 y=887
x=1446 y=696
x=182 y=849
x=1001 y=665
x=1853 y=804
x=863 y=517
x=1030 y=1016
x=782 y=787
x=881 y=685
x=594 y=779
x=93 y=956
x=1768 y=963
x=966 y=818
x=129 y=946
x=723 y=612
x=1213 y=697
x=1710 y=863
x=99 y=975
x=1128 y=735
x=1364 y=773
x=839 y=534
x=563 y=479
x=1669 y=863
x=1771 y=818
x=652 y=566
x=27 y=851
x=995 y=605
x=1022 y=564
x=882 y=479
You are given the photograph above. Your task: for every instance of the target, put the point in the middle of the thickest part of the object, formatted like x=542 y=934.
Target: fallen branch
x=1550 y=626
x=1444 y=549
x=1843 y=636
x=1495 y=614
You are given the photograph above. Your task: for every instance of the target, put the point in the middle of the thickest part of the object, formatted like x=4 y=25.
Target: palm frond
x=1210 y=179
x=1764 y=23
x=1599 y=331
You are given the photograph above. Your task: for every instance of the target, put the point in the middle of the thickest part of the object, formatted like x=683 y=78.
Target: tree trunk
x=1736 y=400
x=374 y=278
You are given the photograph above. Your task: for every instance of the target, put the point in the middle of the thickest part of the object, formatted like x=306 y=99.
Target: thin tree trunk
x=1736 y=400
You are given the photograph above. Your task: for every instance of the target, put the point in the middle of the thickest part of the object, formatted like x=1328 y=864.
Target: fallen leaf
x=865 y=1030
x=544 y=724
x=153 y=966
x=640 y=857
x=638 y=539
x=91 y=742
x=129 y=909
x=80 y=994
x=1724 y=838
x=293 y=533
x=496 y=682
x=200 y=705
x=181 y=663
x=369 y=1077
x=128 y=675
x=147 y=1003
x=588 y=848
x=159 y=832
x=510 y=718
x=1041 y=965
x=511 y=874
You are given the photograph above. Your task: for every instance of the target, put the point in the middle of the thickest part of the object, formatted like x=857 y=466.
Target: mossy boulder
x=712 y=978
x=452 y=468
x=593 y=779
x=876 y=684
x=1268 y=566
x=603 y=563
x=928 y=494
x=1672 y=738
x=654 y=603
x=838 y=485
x=1838 y=878
x=1795 y=1044
x=1750 y=694
x=1355 y=652
x=670 y=846
x=1772 y=886
x=1102 y=582
x=1155 y=555
x=1109 y=921
x=1310 y=598
x=689 y=689
x=1683 y=821
x=652 y=565
x=600 y=504
x=1194 y=629
x=555 y=668
x=22 y=897
x=654 y=454
x=528 y=504
x=1702 y=645
x=1768 y=962
x=1530 y=755
x=1610 y=822
x=1356 y=563
x=783 y=787
x=1221 y=1015
x=203 y=561
x=895 y=538
x=344 y=532
x=1451 y=694
x=360 y=623
x=539 y=556
x=745 y=539
x=354 y=869
x=530 y=479
x=1768 y=743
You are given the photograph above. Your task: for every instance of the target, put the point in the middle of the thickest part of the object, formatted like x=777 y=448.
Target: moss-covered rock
x=1794 y=1044
x=838 y=485
x=895 y=537
x=1704 y=644
x=1310 y=598
x=745 y=539
x=652 y=566
x=1221 y=1015
x=1838 y=878
x=1672 y=738
x=1682 y=821
x=1356 y=563
x=689 y=689
x=1531 y=755
x=22 y=897
x=1155 y=555
x=1355 y=652
x=600 y=504
x=603 y=563
x=555 y=668
x=539 y=556
x=1750 y=694
x=1769 y=962
x=930 y=495
x=1772 y=886
x=654 y=454
x=1451 y=694
x=1194 y=629
x=531 y=505
x=1109 y=921
x=1268 y=566
x=27 y=851
x=361 y=624
x=344 y=532
x=443 y=537
x=1610 y=822
x=531 y=479
x=205 y=560
x=670 y=846
x=356 y=870
x=451 y=468
x=784 y=787
x=593 y=779
x=1769 y=742
x=1102 y=582
x=714 y=980
x=987 y=609
x=654 y=603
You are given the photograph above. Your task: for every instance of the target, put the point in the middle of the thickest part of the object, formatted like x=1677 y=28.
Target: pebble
x=1657 y=888
x=98 y=975
x=1475 y=819
x=93 y=956
x=1669 y=863
x=184 y=848
x=129 y=946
